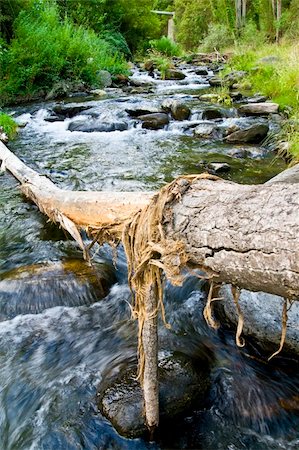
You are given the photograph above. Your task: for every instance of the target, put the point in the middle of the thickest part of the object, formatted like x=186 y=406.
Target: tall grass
x=8 y=125
x=46 y=50
x=274 y=71
x=165 y=46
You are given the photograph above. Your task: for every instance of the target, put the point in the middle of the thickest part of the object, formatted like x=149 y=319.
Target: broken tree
x=238 y=234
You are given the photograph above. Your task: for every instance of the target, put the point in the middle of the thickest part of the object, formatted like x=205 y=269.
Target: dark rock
x=171 y=74
x=201 y=71
x=236 y=96
x=154 y=121
x=182 y=385
x=253 y=109
x=215 y=81
x=103 y=127
x=69 y=110
x=54 y=118
x=254 y=134
x=142 y=111
x=218 y=167
x=212 y=113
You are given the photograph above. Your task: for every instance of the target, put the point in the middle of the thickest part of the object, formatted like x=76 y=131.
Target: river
x=61 y=335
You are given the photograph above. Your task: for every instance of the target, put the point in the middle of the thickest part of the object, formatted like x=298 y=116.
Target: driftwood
x=238 y=234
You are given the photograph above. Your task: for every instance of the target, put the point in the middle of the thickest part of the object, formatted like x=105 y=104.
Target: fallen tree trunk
x=238 y=234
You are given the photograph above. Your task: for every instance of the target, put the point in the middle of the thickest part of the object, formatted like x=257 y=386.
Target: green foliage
x=218 y=38
x=8 y=125
x=274 y=71
x=165 y=46
x=46 y=50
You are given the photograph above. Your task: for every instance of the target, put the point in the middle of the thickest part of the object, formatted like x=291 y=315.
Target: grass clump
x=46 y=49
x=274 y=71
x=8 y=126
x=165 y=46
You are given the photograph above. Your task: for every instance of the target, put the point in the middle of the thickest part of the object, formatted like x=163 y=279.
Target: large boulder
x=215 y=81
x=201 y=71
x=262 y=317
x=182 y=385
x=171 y=74
x=258 y=109
x=178 y=110
x=104 y=78
x=154 y=121
x=101 y=127
x=252 y=135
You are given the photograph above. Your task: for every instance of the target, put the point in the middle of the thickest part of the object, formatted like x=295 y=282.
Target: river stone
x=32 y=289
x=142 y=111
x=154 y=121
x=256 y=99
x=171 y=74
x=262 y=317
x=149 y=65
x=98 y=92
x=69 y=111
x=253 y=135
x=101 y=127
x=205 y=130
x=212 y=113
x=181 y=385
x=201 y=71
x=178 y=110
x=259 y=108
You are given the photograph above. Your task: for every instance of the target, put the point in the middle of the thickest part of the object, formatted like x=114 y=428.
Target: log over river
x=66 y=332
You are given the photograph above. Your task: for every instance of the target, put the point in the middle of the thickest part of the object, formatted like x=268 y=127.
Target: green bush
x=8 y=125
x=46 y=50
x=165 y=46
x=218 y=38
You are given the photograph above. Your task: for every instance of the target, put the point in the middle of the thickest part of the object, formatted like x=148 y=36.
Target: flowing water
x=63 y=330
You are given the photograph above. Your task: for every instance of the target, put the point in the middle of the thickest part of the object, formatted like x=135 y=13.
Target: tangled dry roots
x=150 y=253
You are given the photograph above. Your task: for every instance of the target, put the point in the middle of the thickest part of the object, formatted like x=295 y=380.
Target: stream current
x=61 y=333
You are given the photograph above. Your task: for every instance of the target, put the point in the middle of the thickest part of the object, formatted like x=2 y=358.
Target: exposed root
x=284 y=321
x=208 y=312
x=240 y=341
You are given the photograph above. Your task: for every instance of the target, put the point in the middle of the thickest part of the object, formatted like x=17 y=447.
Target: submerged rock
x=154 y=121
x=254 y=135
x=142 y=111
x=34 y=288
x=182 y=385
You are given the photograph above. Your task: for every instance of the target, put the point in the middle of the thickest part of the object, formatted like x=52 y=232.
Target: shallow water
x=60 y=338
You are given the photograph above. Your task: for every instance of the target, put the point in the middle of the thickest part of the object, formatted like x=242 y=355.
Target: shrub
x=165 y=46
x=218 y=38
x=46 y=50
